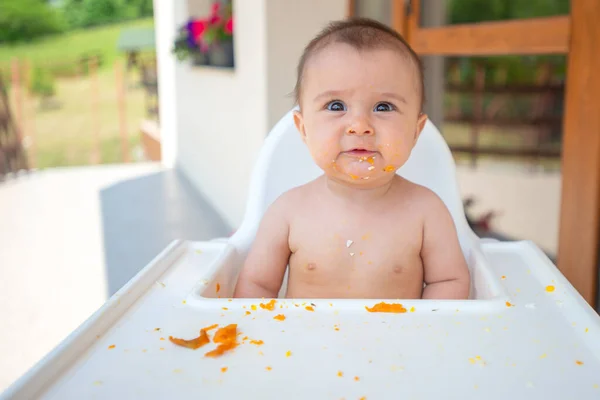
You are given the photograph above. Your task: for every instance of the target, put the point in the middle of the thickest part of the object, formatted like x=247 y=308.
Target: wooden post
x=350 y=8
x=18 y=97
x=122 y=107
x=477 y=111
x=399 y=17
x=31 y=145
x=95 y=126
x=580 y=206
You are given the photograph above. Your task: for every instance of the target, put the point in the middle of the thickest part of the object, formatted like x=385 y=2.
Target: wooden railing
x=489 y=102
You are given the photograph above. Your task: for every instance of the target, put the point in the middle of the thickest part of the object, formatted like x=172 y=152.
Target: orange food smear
x=389 y=168
x=112 y=346
x=353 y=176
x=279 y=317
x=257 y=342
x=218 y=287
x=227 y=339
x=195 y=343
x=268 y=306
x=385 y=307
x=309 y=308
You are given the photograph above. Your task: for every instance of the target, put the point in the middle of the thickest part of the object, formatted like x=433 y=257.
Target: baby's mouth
x=360 y=152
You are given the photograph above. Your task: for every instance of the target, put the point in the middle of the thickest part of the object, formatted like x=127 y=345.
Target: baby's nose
x=360 y=127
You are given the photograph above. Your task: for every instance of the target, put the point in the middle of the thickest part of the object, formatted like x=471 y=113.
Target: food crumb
x=162 y=338
x=412 y=309
x=97 y=383
x=260 y=353
x=351 y=254
x=544 y=355
x=257 y=342
x=156 y=329
x=579 y=362
x=218 y=287
x=356 y=378
x=509 y=304
x=503 y=277
x=162 y=348
x=288 y=353
x=247 y=313
x=144 y=350
x=309 y=308
x=549 y=288
x=177 y=370
x=183 y=302
x=268 y=306
x=587 y=330
x=340 y=374
x=268 y=368
x=279 y=317
x=349 y=243
x=112 y=346
x=253 y=307
x=224 y=369
x=199 y=251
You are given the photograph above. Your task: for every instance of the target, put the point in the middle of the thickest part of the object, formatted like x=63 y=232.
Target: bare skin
x=359 y=230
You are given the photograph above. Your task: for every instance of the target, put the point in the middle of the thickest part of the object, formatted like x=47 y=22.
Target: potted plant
x=208 y=41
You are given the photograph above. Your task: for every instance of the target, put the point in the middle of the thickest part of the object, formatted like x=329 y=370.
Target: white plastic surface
x=516 y=340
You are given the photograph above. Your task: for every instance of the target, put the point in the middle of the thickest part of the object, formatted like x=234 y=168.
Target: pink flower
x=197 y=29
x=229 y=26
x=216 y=7
x=214 y=19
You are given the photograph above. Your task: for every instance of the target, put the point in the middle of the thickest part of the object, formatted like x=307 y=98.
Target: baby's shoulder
x=423 y=197
x=293 y=198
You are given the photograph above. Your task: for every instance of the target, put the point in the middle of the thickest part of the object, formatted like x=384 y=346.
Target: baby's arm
x=445 y=268
x=266 y=263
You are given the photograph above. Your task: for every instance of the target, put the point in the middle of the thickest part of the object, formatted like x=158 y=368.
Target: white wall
x=291 y=24
x=221 y=117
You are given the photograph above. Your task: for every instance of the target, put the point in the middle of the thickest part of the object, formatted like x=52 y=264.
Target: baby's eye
x=336 y=105
x=384 y=107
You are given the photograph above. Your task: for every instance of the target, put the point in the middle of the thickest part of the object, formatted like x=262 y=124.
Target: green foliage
x=518 y=69
x=88 y=13
x=22 y=20
x=42 y=83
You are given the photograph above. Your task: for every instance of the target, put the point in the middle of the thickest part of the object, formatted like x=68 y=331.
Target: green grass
x=63 y=135
x=71 y=45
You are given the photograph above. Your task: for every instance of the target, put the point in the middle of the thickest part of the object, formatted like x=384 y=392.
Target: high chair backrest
x=285 y=162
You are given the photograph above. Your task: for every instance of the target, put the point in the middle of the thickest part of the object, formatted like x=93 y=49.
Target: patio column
x=580 y=207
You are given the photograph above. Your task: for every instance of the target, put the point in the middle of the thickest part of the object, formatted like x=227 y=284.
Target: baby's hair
x=361 y=34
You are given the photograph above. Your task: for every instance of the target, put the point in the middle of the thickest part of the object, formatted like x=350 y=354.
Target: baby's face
x=360 y=112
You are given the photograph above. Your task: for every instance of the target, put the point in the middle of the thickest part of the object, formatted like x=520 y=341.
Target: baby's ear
x=420 y=125
x=299 y=122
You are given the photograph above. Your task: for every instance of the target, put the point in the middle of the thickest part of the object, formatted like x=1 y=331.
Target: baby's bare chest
x=329 y=246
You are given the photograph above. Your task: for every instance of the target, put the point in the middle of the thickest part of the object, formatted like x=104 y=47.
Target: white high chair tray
x=527 y=343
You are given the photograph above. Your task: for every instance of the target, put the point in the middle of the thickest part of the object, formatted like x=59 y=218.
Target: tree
x=22 y=20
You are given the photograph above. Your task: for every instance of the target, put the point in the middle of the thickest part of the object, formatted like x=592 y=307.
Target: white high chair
x=525 y=333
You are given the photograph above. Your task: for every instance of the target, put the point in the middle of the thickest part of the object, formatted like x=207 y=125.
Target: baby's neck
x=358 y=193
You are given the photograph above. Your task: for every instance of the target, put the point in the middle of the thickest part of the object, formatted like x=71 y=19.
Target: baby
x=359 y=230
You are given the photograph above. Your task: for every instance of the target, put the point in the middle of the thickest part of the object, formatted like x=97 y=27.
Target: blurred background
x=117 y=136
